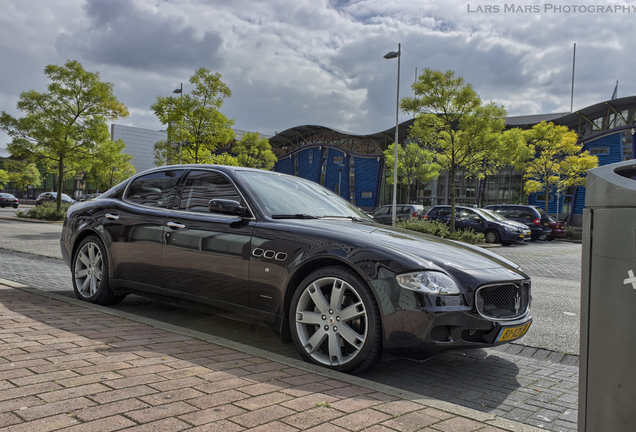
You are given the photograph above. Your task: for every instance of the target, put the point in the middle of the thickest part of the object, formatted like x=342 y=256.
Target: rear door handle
x=175 y=225
x=111 y=216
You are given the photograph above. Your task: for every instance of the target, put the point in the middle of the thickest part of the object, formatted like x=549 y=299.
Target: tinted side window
x=203 y=186
x=527 y=213
x=154 y=190
x=381 y=211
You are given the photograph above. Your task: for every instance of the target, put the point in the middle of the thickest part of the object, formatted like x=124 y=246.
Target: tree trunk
x=451 y=182
x=547 y=195
x=60 y=183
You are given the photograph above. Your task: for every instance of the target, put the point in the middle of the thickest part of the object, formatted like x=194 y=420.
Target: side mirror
x=227 y=207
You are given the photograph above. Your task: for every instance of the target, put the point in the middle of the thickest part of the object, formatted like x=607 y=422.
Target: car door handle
x=175 y=225
x=111 y=216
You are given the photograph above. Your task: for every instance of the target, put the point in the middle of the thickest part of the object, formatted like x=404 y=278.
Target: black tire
x=346 y=344
x=492 y=237
x=90 y=273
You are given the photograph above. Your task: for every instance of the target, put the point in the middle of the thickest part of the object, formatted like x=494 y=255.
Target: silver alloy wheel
x=491 y=237
x=331 y=321
x=89 y=267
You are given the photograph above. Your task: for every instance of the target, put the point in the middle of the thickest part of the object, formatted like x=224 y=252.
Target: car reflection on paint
x=297 y=256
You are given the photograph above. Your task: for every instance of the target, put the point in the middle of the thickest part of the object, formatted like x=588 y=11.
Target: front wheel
x=90 y=273
x=492 y=237
x=335 y=321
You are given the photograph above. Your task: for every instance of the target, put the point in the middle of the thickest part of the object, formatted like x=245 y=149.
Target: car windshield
x=282 y=196
x=489 y=214
x=486 y=215
x=542 y=213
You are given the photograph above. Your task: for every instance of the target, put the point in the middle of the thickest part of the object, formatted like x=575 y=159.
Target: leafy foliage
x=440 y=229
x=111 y=167
x=558 y=163
x=464 y=134
x=196 y=126
x=4 y=178
x=45 y=211
x=414 y=164
x=255 y=152
x=23 y=173
x=63 y=126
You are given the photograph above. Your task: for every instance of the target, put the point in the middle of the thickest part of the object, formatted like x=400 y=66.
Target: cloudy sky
x=292 y=62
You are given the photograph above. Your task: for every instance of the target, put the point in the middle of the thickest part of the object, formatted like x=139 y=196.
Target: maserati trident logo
x=517 y=302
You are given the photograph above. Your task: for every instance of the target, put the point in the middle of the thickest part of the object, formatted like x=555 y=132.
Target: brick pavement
x=529 y=385
x=67 y=365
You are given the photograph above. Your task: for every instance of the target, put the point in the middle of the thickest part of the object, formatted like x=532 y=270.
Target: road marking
x=569 y=313
x=631 y=279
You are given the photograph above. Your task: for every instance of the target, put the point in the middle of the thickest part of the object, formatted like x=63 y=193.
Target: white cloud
x=316 y=62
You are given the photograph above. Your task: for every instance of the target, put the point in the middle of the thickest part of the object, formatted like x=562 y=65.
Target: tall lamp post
x=179 y=91
x=392 y=55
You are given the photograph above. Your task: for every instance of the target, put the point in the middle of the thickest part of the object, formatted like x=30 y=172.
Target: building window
x=366 y=194
x=311 y=156
x=599 y=150
x=337 y=160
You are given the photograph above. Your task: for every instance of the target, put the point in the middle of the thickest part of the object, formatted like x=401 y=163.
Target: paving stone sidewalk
x=67 y=365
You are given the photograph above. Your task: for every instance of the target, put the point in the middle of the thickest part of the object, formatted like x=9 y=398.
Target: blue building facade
x=353 y=165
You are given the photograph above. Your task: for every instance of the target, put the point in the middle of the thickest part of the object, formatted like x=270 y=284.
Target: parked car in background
x=384 y=214
x=495 y=231
x=8 y=200
x=289 y=252
x=52 y=197
x=535 y=218
x=558 y=229
x=526 y=231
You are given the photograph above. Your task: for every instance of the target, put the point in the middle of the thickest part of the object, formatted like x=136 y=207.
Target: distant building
x=353 y=164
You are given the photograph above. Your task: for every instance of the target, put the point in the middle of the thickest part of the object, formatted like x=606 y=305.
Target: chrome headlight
x=512 y=229
x=429 y=282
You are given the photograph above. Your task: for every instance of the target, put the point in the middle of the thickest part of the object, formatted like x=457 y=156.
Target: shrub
x=572 y=234
x=45 y=211
x=440 y=229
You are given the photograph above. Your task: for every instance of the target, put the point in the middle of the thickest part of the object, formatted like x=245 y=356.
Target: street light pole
x=180 y=91
x=391 y=55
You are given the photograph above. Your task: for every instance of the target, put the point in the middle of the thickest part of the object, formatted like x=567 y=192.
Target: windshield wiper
x=353 y=218
x=294 y=216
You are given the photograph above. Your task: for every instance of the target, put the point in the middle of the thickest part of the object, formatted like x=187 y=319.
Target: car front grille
x=503 y=302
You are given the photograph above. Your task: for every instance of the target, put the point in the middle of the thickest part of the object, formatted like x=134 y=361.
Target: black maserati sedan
x=287 y=251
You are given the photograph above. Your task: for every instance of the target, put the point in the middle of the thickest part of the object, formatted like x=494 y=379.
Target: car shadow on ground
x=453 y=376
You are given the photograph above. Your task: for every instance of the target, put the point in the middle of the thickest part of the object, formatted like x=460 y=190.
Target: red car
x=558 y=229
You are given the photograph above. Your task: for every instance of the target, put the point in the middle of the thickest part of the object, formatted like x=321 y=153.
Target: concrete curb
x=488 y=419
x=20 y=219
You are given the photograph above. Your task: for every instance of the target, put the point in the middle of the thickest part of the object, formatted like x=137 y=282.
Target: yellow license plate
x=511 y=333
x=520 y=235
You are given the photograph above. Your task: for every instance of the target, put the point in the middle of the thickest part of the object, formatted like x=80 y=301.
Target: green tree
x=196 y=126
x=464 y=134
x=111 y=167
x=559 y=162
x=64 y=125
x=4 y=178
x=23 y=173
x=255 y=152
x=224 y=159
x=414 y=164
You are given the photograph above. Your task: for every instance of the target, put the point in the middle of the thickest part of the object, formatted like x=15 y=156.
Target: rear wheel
x=90 y=273
x=335 y=321
x=492 y=236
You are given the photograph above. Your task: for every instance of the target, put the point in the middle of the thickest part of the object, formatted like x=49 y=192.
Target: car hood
x=440 y=251
x=417 y=246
